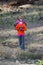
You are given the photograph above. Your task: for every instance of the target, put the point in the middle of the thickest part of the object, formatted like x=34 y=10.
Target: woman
x=17 y=21
x=21 y=27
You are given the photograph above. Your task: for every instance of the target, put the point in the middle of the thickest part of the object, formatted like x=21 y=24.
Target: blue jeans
x=22 y=42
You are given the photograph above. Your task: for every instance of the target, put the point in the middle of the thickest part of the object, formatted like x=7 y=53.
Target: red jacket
x=24 y=28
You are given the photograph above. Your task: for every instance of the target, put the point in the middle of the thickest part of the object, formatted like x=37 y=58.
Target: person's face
x=20 y=18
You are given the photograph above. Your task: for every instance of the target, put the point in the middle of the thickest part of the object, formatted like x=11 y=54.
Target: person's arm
x=24 y=27
x=17 y=27
x=25 y=23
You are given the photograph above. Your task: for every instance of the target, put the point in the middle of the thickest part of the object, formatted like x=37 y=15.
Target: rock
x=17 y=62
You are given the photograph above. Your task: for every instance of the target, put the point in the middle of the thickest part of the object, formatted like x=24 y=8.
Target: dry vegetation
x=34 y=35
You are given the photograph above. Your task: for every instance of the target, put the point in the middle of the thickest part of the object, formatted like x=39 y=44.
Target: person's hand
x=20 y=28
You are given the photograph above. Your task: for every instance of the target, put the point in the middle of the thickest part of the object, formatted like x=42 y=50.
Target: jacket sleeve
x=17 y=27
x=24 y=27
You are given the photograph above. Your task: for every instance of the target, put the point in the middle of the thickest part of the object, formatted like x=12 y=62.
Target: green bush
x=40 y=62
